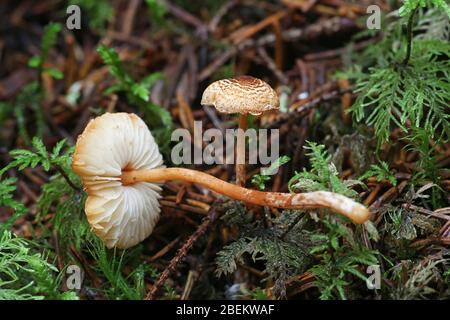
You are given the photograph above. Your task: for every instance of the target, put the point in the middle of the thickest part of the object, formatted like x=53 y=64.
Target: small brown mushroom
x=121 y=166
x=241 y=95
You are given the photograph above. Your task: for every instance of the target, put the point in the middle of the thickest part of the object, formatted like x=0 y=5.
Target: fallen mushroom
x=120 y=215
x=241 y=95
x=120 y=165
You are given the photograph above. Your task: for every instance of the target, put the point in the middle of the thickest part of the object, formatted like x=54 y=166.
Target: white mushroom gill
x=121 y=215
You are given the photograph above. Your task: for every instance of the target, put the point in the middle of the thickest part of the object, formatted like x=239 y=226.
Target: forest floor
x=363 y=112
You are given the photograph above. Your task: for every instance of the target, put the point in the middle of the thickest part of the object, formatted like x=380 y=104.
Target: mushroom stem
x=319 y=199
x=240 y=151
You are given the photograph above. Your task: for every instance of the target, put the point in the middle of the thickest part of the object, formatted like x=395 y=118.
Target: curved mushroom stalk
x=120 y=166
x=319 y=199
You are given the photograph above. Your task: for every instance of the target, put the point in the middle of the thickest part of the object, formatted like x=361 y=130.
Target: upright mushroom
x=242 y=95
x=120 y=166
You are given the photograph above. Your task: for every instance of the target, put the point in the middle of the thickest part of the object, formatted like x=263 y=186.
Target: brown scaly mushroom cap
x=242 y=95
x=120 y=215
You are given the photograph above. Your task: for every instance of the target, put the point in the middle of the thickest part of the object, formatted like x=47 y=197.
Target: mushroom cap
x=122 y=216
x=243 y=95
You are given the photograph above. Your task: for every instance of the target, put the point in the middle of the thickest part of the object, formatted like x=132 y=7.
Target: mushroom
x=121 y=215
x=120 y=166
x=241 y=95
